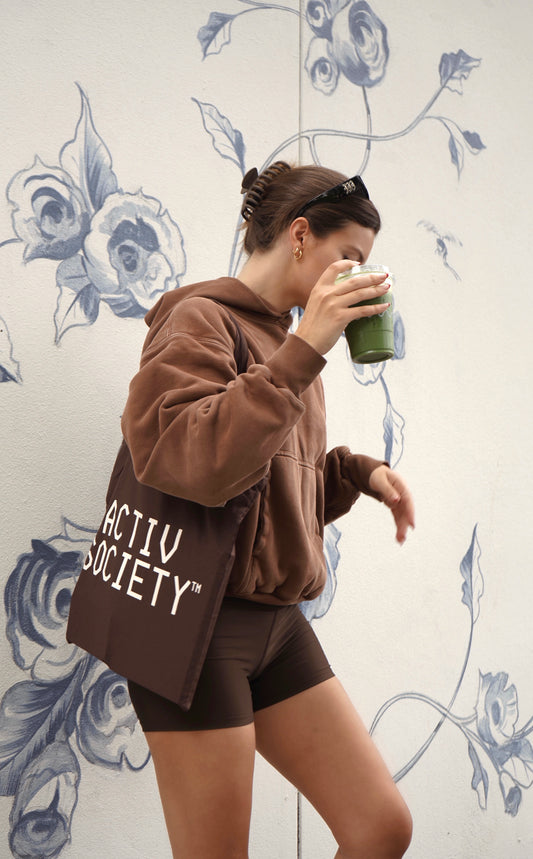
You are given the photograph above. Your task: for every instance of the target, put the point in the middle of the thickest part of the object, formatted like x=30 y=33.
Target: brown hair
x=276 y=195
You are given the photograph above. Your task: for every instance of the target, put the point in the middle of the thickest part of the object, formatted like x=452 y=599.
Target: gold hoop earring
x=298 y=253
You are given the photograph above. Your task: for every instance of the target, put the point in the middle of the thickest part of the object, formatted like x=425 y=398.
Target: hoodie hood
x=229 y=291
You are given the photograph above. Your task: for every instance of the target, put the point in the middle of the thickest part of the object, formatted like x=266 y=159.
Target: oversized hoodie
x=197 y=429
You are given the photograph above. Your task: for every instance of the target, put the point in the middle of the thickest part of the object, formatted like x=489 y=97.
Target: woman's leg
x=205 y=784
x=319 y=743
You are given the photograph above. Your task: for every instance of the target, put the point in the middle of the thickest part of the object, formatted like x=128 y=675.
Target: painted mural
x=111 y=246
x=122 y=248
x=493 y=739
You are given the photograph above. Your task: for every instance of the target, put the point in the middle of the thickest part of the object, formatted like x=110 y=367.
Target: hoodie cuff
x=295 y=365
x=358 y=468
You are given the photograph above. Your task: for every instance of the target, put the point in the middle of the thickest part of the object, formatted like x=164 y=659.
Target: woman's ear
x=298 y=231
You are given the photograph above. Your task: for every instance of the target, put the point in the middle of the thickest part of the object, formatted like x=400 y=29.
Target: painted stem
x=311 y=134
x=299 y=826
x=368 y=146
x=257 y=6
x=445 y=711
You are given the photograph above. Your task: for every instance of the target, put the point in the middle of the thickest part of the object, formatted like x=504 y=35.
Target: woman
x=199 y=430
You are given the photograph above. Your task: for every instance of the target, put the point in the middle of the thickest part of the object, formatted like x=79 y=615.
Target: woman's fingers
x=347 y=293
x=363 y=287
x=374 y=280
x=365 y=310
x=330 y=306
x=395 y=494
x=403 y=512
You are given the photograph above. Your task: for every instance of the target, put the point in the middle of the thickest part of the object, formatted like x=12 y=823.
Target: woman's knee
x=385 y=833
x=400 y=829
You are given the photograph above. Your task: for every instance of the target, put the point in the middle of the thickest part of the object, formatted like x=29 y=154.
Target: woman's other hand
x=395 y=494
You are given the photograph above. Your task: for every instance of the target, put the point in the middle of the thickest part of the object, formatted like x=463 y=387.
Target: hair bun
x=255 y=186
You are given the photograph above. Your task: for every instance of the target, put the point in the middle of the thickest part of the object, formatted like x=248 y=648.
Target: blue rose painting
x=111 y=246
x=69 y=707
x=349 y=39
x=124 y=250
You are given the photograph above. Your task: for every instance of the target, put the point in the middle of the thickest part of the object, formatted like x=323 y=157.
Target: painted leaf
x=228 y=141
x=457 y=152
x=393 y=425
x=480 y=779
x=454 y=68
x=473 y=584
x=216 y=33
x=473 y=141
x=9 y=368
x=87 y=159
x=399 y=337
x=30 y=716
x=520 y=764
x=78 y=303
x=318 y=607
x=457 y=141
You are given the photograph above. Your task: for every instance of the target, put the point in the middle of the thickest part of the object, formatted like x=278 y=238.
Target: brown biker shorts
x=259 y=655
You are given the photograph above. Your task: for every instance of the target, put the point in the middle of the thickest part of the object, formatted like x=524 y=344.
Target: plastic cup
x=371 y=339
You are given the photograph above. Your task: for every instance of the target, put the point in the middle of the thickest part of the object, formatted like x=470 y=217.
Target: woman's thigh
x=319 y=743
x=205 y=783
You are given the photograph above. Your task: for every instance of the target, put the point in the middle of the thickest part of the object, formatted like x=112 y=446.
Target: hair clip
x=249 y=179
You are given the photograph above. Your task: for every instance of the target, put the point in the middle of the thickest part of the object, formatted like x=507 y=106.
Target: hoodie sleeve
x=197 y=429
x=346 y=476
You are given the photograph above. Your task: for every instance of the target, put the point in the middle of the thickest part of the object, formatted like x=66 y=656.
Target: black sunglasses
x=355 y=185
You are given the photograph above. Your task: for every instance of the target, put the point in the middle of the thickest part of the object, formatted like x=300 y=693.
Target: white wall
x=444 y=619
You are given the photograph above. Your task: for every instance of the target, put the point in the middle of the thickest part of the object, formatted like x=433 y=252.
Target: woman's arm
x=197 y=429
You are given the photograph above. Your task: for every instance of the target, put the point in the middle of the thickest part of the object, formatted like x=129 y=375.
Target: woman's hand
x=330 y=307
x=395 y=494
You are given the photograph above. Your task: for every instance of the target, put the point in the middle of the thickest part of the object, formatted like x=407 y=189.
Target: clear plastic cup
x=371 y=339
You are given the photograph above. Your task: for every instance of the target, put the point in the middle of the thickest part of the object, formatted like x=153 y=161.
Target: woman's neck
x=267 y=274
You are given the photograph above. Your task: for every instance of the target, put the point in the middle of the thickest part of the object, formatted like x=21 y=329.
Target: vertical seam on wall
x=299 y=822
x=300 y=77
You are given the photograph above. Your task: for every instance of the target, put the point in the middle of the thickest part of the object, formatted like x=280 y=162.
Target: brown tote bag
x=150 y=589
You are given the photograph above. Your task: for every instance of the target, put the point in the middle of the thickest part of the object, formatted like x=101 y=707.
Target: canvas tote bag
x=151 y=586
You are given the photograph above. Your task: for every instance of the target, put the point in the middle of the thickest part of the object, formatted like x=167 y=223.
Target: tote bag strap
x=240 y=350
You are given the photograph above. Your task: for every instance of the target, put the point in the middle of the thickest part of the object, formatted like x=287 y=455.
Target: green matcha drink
x=370 y=339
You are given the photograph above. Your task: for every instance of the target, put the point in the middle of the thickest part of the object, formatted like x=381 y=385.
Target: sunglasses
x=355 y=185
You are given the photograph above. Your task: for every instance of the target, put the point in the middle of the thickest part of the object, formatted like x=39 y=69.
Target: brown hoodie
x=198 y=430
